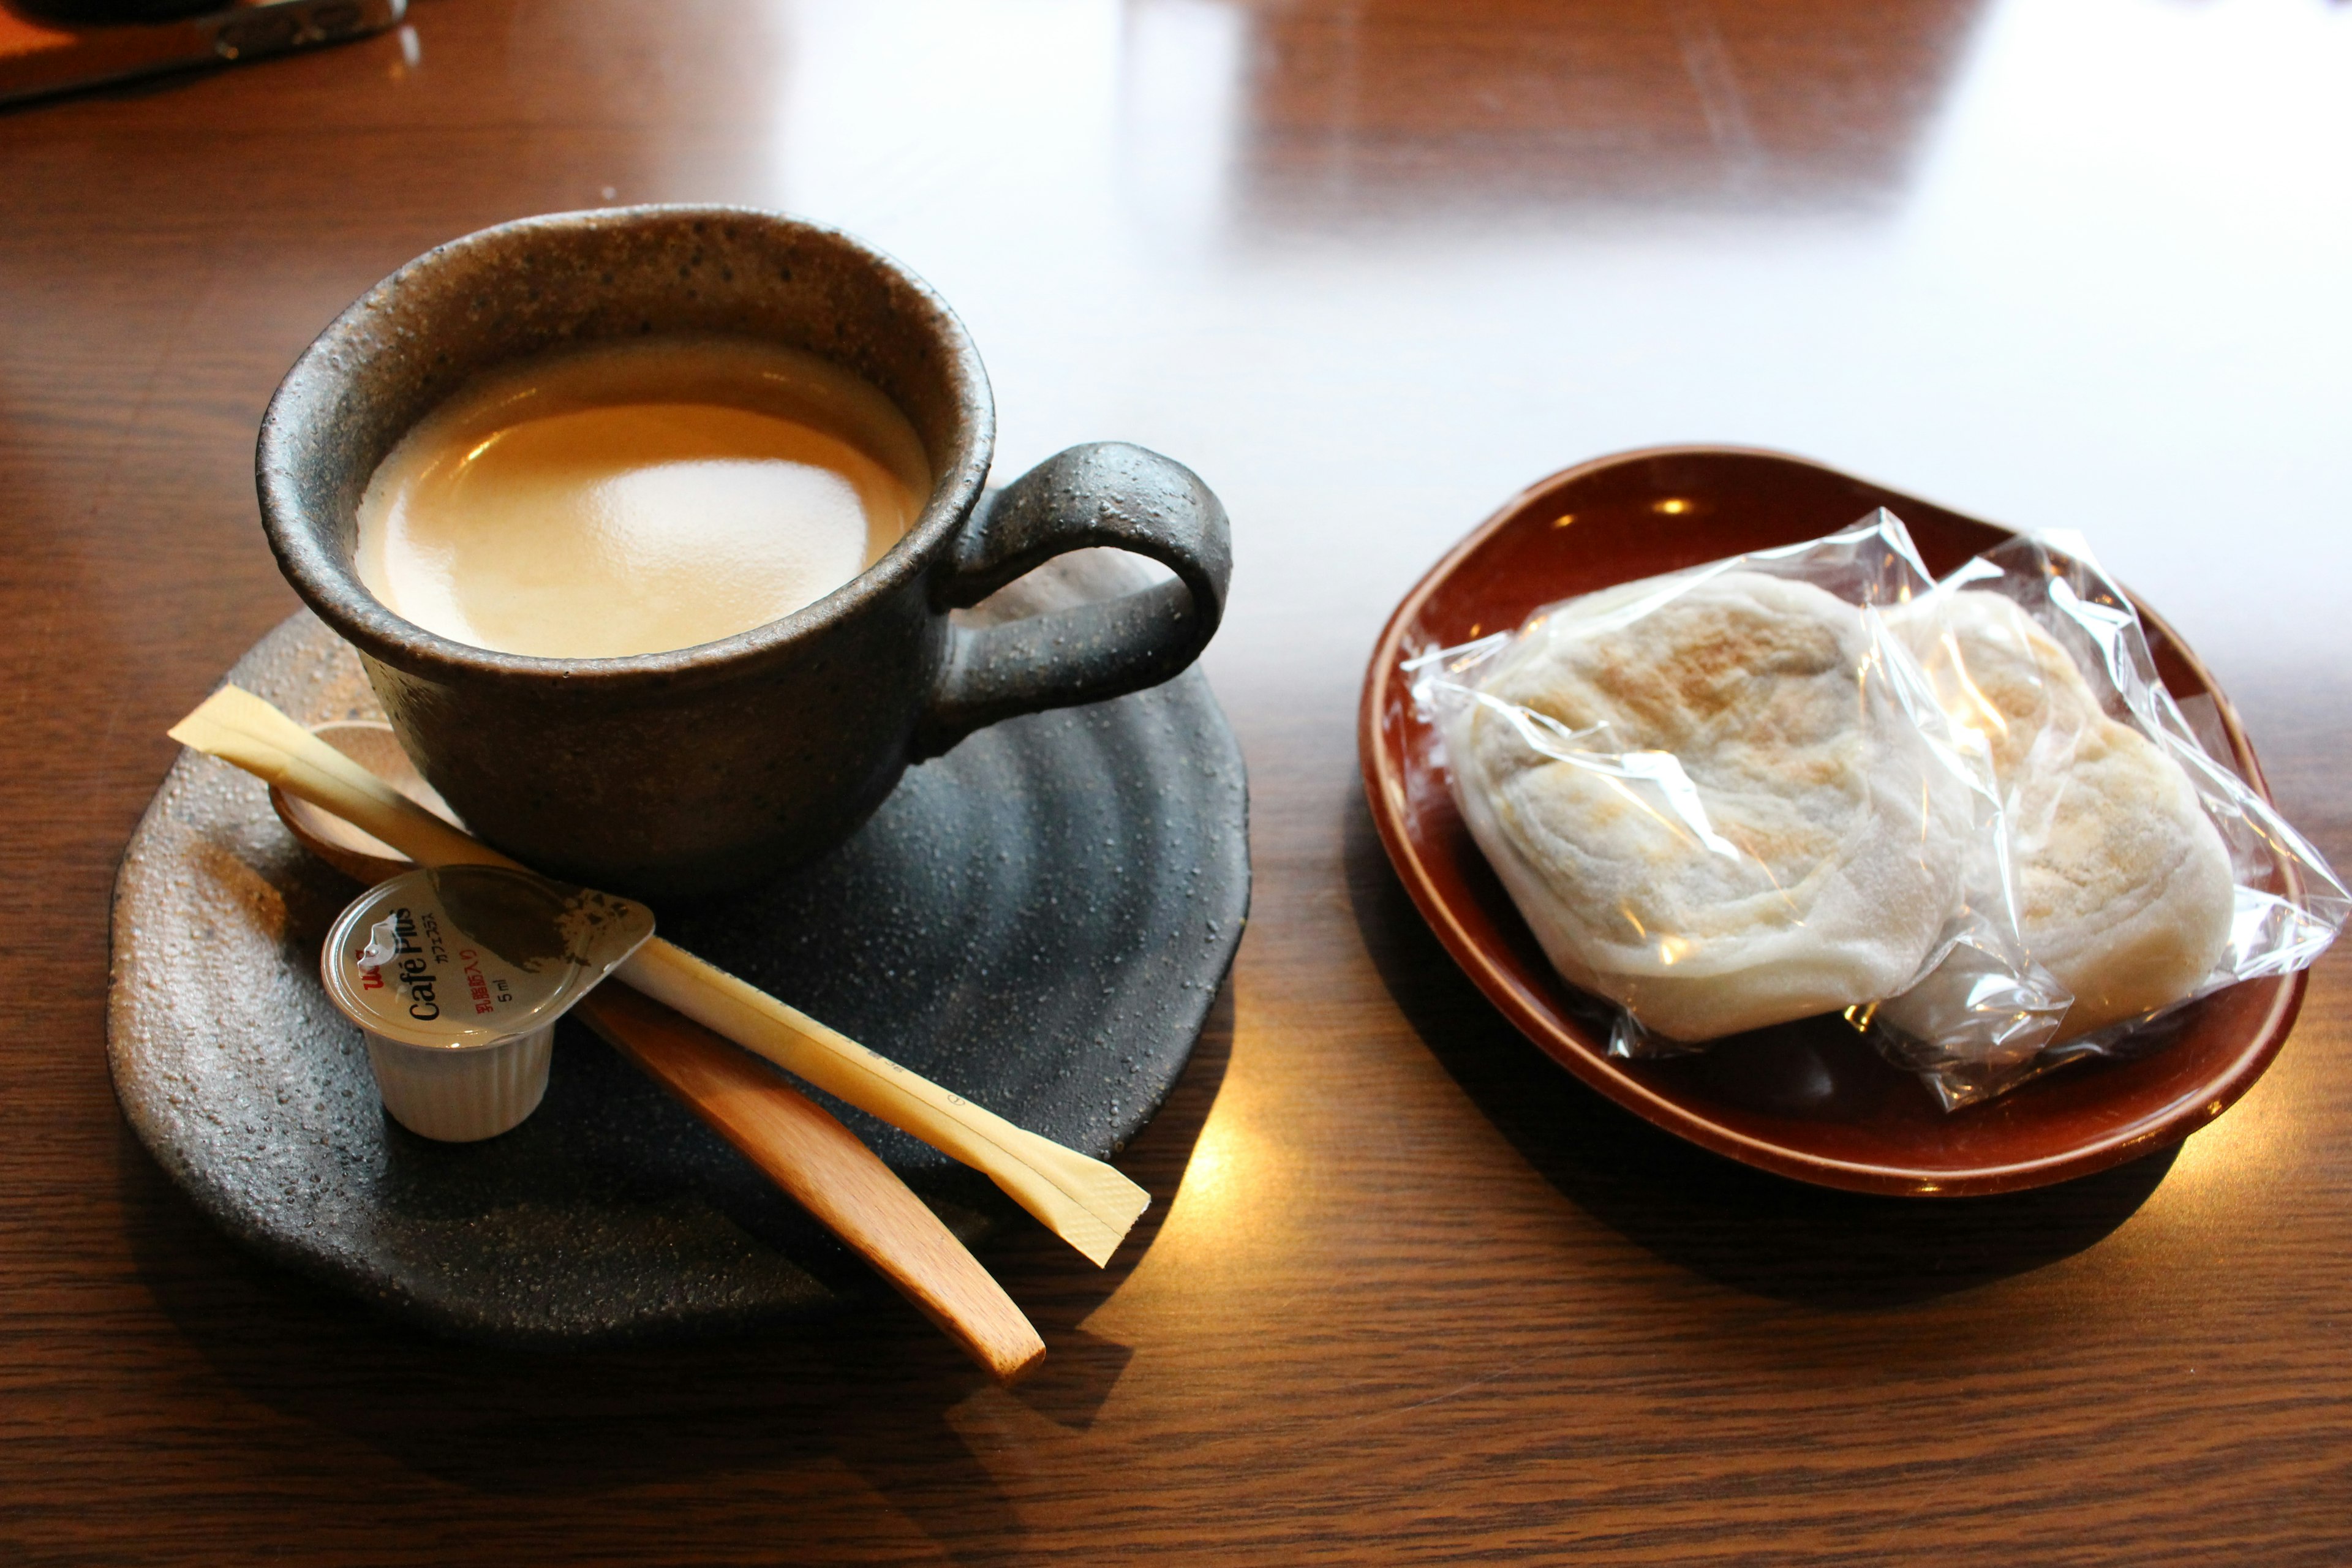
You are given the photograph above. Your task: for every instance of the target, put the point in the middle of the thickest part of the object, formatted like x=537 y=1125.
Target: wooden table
x=1408 y=1292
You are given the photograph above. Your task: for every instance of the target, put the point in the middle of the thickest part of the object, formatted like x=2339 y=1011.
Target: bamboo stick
x=827 y=1171
x=813 y=1158
x=1086 y=1201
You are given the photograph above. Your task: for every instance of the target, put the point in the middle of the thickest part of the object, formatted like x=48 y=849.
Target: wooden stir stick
x=1084 y=1201
x=800 y=1146
x=827 y=1171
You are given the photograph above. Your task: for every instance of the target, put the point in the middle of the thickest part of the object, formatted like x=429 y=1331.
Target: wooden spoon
x=800 y=1146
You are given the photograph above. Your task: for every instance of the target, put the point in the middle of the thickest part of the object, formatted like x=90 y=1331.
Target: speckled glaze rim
x=336 y=361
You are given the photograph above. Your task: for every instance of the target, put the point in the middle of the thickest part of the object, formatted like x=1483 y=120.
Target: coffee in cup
x=703 y=767
x=638 y=497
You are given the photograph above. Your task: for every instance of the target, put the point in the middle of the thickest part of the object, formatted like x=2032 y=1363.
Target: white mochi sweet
x=2124 y=889
x=1708 y=805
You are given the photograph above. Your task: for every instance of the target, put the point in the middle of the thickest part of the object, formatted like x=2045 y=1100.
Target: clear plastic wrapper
x=1966 y=815
x=1729 y=798
x=2149 y=873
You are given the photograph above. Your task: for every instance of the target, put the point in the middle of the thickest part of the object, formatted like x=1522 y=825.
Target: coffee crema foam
x=638 y=498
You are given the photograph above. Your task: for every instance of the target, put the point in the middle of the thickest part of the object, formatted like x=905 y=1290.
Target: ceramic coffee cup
x=677 y=774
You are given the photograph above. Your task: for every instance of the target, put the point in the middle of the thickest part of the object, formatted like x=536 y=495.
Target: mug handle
x=1106 y=493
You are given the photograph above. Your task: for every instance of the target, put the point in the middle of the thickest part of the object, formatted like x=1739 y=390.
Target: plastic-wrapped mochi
x=1710 y=802
x=2124 y=888
x=1808 y=780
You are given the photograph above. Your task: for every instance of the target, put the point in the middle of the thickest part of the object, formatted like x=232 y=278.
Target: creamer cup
x=457 y=976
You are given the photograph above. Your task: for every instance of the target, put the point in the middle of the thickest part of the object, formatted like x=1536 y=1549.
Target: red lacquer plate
x=1811 y=1100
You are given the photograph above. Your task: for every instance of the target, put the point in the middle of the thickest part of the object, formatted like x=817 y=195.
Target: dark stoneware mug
x=680 y=773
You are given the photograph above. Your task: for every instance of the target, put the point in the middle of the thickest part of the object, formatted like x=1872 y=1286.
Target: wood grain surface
x=1407 y=1292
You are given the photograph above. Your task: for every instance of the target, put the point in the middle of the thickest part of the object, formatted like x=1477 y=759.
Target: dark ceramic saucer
x=1039 y=919
x=1807 y=1100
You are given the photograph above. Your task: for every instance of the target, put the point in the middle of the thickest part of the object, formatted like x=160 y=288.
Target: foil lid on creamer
x=462 y=957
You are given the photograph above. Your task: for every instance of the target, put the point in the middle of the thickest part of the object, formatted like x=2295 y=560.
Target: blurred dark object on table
x=94 y=12
x=49 y=47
